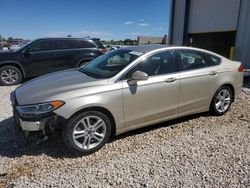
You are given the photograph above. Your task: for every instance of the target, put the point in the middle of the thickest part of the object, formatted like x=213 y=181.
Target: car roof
x=152 y=47
x=146 y=48
x=70 y=38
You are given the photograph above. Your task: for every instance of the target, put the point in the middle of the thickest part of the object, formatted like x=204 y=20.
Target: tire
x=10 y=75
x=216 y=107
x=90 y=139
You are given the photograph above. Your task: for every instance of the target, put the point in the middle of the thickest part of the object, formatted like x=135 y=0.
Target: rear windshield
x=98 y=43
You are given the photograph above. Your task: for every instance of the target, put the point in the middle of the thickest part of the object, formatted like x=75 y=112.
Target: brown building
x=152 y=40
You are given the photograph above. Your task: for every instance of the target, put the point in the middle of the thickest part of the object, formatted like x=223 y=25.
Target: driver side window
x=41 y=46
x=157 y=64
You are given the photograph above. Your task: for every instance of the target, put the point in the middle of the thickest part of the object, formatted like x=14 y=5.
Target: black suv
x=47 y=55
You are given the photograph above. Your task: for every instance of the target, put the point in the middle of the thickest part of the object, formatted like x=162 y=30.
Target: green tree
x=128 y=42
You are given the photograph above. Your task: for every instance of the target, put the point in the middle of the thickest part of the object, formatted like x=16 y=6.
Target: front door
x=155 y=99
x=38 y=58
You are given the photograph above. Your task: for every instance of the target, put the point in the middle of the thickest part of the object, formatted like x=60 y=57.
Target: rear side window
x=99 y=44
x=190 y=60
x=213 y=60
x=65 y=44
x=73 y=44
x=85 y=44
x=40 y=46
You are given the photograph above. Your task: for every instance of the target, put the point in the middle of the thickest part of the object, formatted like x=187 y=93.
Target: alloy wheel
x=89 y=132
x=223 y=100
x=9 y=76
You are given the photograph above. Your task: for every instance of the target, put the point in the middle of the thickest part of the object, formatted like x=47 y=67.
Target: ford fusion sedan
x=124 y=90
x=47 y=55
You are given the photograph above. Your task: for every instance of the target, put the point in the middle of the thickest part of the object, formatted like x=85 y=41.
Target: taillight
x=103 y=51
x=240 y=69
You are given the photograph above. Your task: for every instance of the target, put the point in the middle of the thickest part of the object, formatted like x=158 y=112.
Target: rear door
x=198 y=78
x=66 y=51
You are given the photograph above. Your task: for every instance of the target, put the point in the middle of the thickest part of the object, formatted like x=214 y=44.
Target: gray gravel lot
x=196 y=151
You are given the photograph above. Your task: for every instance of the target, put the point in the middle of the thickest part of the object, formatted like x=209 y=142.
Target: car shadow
x=14 y=144
x=170 y=123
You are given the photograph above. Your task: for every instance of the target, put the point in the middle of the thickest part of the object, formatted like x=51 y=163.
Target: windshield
x=24 y=46
x=109 y=64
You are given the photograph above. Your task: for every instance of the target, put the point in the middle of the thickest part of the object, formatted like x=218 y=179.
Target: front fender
x=14 y=63
x=110 y=100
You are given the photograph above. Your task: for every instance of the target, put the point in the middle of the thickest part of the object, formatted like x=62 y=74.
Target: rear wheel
x=87 y=132
x=221 y=101
x=10 y=75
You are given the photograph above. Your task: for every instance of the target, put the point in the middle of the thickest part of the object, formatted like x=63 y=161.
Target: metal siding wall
x=242 y=44
x=178 y=16
x=213 y=15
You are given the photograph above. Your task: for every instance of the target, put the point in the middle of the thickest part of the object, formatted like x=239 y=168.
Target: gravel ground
x=196 y=151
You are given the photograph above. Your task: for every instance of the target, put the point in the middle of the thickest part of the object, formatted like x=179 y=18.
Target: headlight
x=38 y=110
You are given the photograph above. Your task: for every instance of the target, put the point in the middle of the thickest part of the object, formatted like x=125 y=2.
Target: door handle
x=213 y=73
x=170 y=80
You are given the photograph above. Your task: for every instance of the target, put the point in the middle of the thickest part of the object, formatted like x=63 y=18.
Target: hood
x=45 y=87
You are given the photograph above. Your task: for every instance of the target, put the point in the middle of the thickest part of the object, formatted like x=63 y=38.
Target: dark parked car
x=47 y=55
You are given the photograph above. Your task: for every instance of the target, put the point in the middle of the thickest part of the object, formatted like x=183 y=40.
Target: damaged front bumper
x=44 y=124
x=31 y=125
x=47 y=124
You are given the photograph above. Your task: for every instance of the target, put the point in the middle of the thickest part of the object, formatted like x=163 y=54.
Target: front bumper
x=31 y=125
x=47 y=123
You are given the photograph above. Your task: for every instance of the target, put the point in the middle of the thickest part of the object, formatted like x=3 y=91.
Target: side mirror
x=137 y=76
x=26 y=53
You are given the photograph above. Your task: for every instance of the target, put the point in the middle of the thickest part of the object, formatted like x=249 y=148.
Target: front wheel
x=10 y=75
x=221 y=101
x=87 y=132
